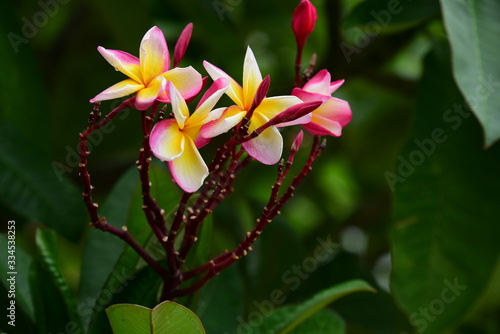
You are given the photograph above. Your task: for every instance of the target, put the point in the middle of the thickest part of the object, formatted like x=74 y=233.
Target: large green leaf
x=24 y=306
x=55 y=305
x=172 y=318
x=166 y=318
x=286 y=319
x=221 y=301
x=22 y=265
x=17 y=110
x=128 y=318
x=323 y=322
x=473 y=30
x=445 y=232
x=29 y=186
x=167 y=195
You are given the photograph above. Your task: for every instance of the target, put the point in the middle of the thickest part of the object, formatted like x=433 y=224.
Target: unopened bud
x=303 y=20
x=297 y=142
x=182 y=44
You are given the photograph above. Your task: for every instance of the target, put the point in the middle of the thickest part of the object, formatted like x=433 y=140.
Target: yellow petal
x=179 y=106
x=154 y=55
x=251 y=78
x=229 y=118
x=166 y=140
x=187 y=81
x=189 y=170
x=147 y=96
x=272 y=106
x=268 y=146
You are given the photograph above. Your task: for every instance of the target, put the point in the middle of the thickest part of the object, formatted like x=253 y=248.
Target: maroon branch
x=271 y=210
x=92 y=207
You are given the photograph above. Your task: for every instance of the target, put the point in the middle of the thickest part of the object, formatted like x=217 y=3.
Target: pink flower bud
x=261 y=92
x=303 y=19
x=182 y=44
x=291 y=114
x=297 y=142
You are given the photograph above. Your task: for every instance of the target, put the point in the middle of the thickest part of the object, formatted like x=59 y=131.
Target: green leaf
x=24 y=306
x=473 y=30
x=445 y=232
x=128 y=318
x=166 y=318
x=51 y=294
x=382 y=13
x=16 y=109
x=172 y=318
x=323 y=322
x=286 y=319
x=167 y=195
x=220 y=302
x=23 y=263
x=29 y=186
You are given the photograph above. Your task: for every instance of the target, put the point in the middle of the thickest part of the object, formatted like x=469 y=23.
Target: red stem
x=298 y=65
x=96 y=220
x=217 y=264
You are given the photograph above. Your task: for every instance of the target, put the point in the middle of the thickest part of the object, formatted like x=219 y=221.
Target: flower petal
x=335 y=109
x=123 y=62
x=182 y=44
x=268 y=146
x=320 y=126
x=187 y=80
x=208 y=101
x=166 y=140
x=335 y=85
x=201 y=141
x=330 y=118
x=189 y=170
x=272 y=106
x=320 y=83
x=308 y=96
x=235 y=92
x=121 y=89
x=251 y=79
x=154 y=56
x=147 y=96
x=221 y=84
x=229 y=118
x=179 y=106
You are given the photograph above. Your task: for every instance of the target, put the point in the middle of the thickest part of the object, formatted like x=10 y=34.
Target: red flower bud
x=297 y=142
x=182 y=44
x=303 y=19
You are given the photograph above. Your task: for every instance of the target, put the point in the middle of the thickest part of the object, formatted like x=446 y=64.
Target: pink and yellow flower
x=333 y=114
x=268 y=146
x=177 y=140
x=149 y=74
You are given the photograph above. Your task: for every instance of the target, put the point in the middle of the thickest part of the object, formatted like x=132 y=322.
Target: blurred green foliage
x=410 y=171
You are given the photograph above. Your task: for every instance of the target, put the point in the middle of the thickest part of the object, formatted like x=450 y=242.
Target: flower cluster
x=176 y=140
x=252 y=123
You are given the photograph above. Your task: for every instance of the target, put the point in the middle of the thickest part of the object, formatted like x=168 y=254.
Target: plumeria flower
x=333 y=114
x=268 y=146
x=149 y=74
x=177 y=140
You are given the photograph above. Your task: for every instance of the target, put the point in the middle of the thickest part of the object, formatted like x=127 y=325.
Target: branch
x=271 y=210
x=96 y=220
